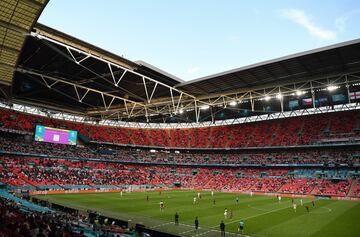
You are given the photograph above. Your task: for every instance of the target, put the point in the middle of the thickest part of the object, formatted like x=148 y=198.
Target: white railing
x=113 y=123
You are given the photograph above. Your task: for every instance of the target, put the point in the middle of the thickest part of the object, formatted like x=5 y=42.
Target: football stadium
x=94 y=144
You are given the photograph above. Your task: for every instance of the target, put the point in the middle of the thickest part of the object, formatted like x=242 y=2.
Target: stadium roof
x=60 y=72
x=47 y=62
x=334 y=59
x=17 y=18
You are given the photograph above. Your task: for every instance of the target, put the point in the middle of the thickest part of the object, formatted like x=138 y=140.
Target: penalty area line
x=163 y=224
x=257 y=215
x=187 y=231
x=200 y=228
x=203 y=233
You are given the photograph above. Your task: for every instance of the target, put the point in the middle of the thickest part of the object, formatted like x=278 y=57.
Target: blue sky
x=196 y=38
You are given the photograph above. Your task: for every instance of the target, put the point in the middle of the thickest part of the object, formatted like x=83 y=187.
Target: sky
x=191 y=39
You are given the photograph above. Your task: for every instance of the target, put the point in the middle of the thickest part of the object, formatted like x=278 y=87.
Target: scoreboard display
x=55 y=135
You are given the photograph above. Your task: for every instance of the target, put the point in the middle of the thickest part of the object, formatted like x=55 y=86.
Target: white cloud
x=299 y=17
x=193 y=70
x=341 y=21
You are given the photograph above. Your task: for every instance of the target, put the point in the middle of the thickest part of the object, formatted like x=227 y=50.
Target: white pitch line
x=233 y=233
x=163 y=224
x=188 y=231
x=257 y=215
x=203 y=233
x=168 y=223
x=193 y=229
x=192 y=226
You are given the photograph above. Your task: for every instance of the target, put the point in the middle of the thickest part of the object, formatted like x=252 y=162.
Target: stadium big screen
x=55 y=135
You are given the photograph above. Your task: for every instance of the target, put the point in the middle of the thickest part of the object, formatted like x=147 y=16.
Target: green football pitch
x=263 y=215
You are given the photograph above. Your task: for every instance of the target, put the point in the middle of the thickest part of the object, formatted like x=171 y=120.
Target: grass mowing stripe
x=261 y=214
x=269 y=218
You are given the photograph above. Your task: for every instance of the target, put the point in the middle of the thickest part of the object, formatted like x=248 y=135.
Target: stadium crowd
x=330 y=157
x=15 y=221
x=60 y=174
x=264 y=170
x=304 y=130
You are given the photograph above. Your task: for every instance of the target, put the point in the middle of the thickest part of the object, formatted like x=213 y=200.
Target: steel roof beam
x=58 y=80
x=275 y=84
x=37 y=35
x=33 y=3
x=8 y=25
